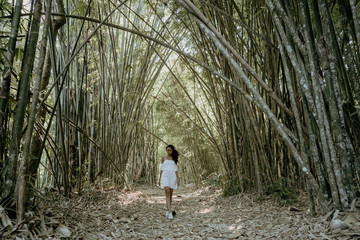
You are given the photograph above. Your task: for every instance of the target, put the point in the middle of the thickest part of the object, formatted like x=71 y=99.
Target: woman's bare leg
x=171 y=194
x=168 y=198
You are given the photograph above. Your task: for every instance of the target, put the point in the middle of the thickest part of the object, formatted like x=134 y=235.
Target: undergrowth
x=230 y=186
x=283 y=191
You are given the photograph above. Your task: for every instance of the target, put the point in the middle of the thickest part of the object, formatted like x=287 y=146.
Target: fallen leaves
x=352 y=222
x=63 y=230
x=202 y=213
x=5 y=220
x=235 y=235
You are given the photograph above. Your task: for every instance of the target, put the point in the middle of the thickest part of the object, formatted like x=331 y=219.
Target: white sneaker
x=170 y=216
x=166 y=213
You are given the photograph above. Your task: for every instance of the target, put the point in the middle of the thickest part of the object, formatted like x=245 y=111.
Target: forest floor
x=201 y=213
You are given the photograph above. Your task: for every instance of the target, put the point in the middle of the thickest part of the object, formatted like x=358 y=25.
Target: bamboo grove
x=255 y=94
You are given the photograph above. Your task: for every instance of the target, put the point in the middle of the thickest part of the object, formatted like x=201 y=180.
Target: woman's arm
x=162 y=160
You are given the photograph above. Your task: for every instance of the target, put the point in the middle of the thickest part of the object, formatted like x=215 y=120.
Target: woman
x=169 y=179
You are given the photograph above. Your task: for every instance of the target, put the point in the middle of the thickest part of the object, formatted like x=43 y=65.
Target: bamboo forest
x=180 y=119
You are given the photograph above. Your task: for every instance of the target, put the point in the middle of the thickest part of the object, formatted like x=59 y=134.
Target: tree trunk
x=37 y=141
x=5 y=84
x=23 y=100
x=20 y=183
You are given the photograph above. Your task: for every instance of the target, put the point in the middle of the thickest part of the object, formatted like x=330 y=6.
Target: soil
x=201 y=213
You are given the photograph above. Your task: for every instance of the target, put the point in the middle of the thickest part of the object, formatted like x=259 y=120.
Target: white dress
x=168 y=177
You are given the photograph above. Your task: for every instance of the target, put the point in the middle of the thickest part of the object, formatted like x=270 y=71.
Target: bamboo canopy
x=256 y=95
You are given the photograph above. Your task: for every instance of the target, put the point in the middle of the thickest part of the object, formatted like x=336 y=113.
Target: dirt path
x=202 y=213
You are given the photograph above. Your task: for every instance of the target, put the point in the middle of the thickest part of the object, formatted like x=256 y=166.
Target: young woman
x=169 y=179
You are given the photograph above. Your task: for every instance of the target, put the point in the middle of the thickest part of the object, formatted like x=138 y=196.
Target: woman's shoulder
x=162 y=159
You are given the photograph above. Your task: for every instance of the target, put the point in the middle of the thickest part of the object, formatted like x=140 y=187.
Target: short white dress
x=168 y=177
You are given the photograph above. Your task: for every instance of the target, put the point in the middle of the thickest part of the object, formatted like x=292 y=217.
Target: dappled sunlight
x=235 y=227
x=128 y=197
x=154 y=200
x=206 y=210
x=239 y=220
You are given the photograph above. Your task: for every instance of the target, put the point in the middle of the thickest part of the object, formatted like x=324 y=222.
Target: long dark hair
x=174 y=154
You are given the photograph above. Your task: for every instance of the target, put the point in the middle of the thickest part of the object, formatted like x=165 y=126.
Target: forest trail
x=202 y=213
